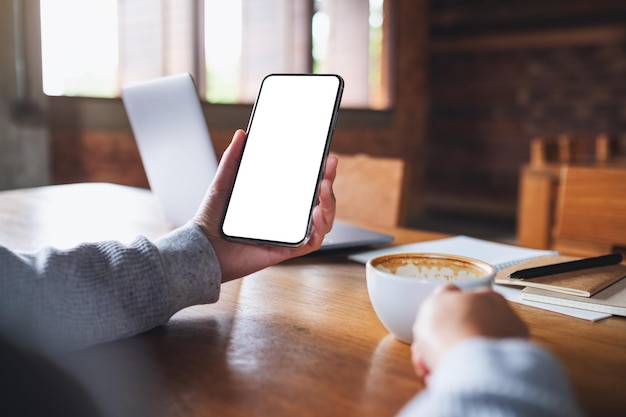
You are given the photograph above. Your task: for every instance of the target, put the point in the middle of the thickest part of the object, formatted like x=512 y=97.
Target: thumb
x=419 y=363
x=229 y=163
x=215 y=200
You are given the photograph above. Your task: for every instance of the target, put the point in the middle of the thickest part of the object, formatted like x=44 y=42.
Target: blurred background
x=459 y=89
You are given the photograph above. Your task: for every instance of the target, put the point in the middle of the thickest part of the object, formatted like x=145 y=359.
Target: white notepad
x=499 y=255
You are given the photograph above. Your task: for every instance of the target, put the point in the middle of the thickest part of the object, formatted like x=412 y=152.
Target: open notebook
x=500 y=255
x=179 y=159
x=497 y=254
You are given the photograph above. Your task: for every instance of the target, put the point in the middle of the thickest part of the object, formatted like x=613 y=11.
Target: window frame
x=94 y=113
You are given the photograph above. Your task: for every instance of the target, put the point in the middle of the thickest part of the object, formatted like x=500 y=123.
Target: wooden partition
x=591 y=210
x=541 y=183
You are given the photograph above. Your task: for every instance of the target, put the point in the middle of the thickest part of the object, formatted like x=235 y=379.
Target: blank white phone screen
x=276 y=185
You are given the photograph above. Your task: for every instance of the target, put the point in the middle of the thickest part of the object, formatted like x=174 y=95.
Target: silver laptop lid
x=174 y=143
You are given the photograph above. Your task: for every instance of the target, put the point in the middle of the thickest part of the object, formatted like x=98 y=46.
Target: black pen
x=541 y=271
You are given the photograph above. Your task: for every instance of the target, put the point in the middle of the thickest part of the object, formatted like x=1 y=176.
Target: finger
x=327 y=206
x=330 y=171
x=214 y=202
x=448 y=288
x=323 y=216
x=229 y=163
x=512 y=325
x=328 y=201
x=419 y=365
x=421 y=369
x=489 y=295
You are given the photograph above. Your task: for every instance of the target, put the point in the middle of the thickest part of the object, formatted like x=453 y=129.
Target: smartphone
x=288 y=139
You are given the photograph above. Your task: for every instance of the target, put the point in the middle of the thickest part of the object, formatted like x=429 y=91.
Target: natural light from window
x=222 y=43
x=91 y=48
x=79 y=47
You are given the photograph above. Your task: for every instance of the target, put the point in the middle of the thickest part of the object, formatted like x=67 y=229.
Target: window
x=84 y=64
x=91 y=48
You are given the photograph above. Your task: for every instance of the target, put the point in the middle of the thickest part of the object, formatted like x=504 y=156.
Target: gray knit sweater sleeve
x=489 y=377
x=99 y=292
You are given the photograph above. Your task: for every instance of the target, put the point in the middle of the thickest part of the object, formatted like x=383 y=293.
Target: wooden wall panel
x=502 y=73
x=94 y=156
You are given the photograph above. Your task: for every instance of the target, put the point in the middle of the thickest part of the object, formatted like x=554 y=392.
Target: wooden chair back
x=591 y=210
x=371 y=190
x=540 y=180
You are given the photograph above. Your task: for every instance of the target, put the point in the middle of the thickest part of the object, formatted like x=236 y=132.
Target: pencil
x=577 y=265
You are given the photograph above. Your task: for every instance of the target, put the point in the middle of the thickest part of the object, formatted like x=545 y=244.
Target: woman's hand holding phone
x=282 y=163
x=238 y=259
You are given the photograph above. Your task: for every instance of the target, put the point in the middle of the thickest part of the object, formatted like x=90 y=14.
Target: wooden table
x=299 y=338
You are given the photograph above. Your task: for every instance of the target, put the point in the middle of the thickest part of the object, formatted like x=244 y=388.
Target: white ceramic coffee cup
x=398 y=284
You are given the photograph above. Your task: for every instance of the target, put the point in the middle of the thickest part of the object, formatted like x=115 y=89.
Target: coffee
x=437 y=267
x=398 y=283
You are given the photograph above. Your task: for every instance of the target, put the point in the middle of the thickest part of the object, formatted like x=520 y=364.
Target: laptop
x=179 y=158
